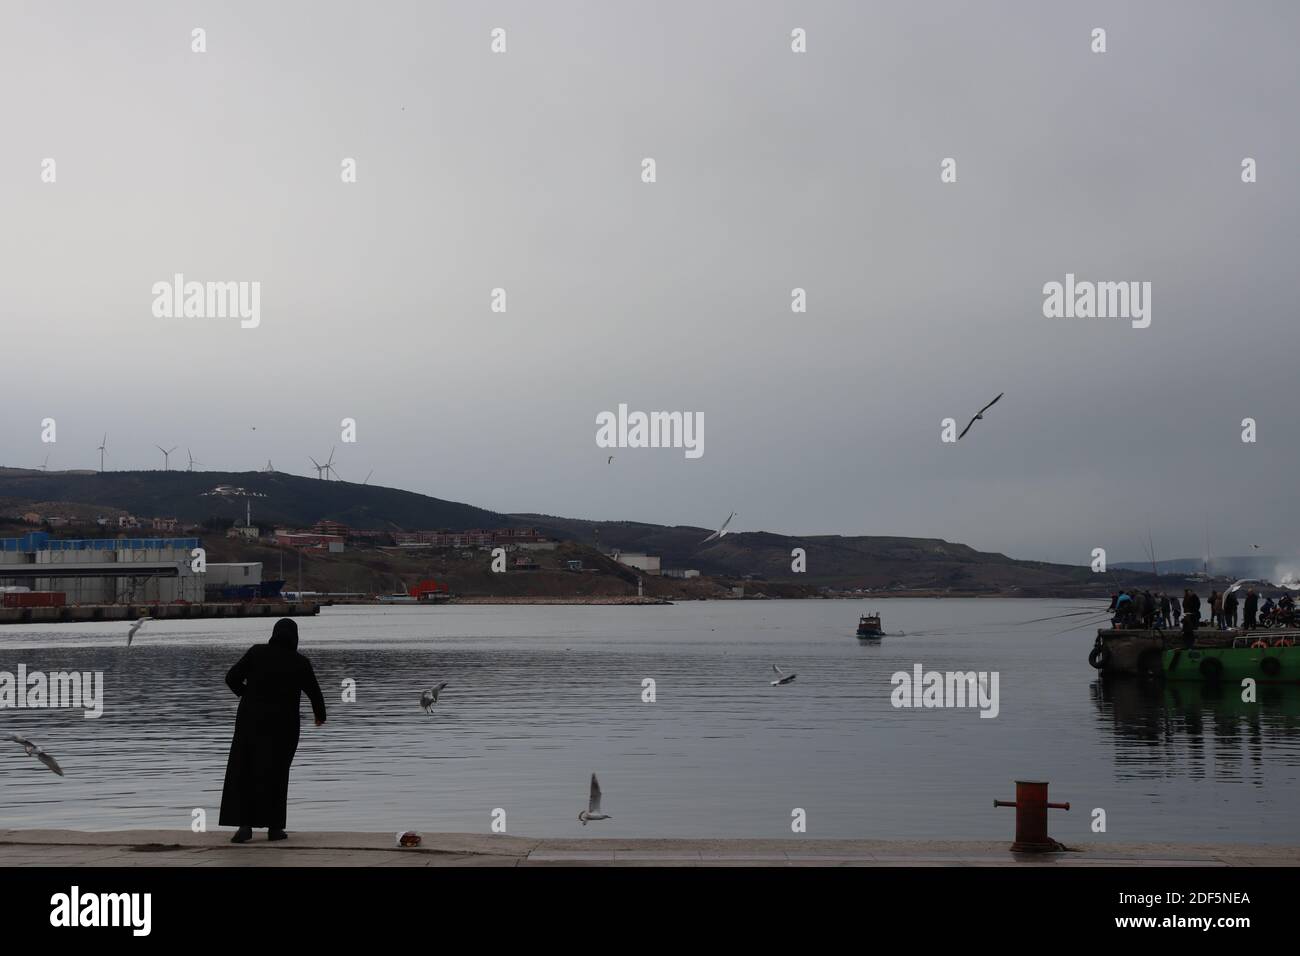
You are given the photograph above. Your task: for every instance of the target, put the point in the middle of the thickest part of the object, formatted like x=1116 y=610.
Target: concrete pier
x=183 y=848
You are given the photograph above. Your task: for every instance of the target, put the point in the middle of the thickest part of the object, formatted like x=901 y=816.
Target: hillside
x=878 y=563
x=288 y=500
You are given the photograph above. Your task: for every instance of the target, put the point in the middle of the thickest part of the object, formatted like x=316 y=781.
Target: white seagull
x=430 y=696
x=782 y=677
x=130 y=634
x=35 y=751
x=593 y=804
x=721 y=532
x=979 y=416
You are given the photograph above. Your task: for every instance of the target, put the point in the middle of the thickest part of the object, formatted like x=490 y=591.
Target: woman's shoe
x=243 y=835
x=276 y=835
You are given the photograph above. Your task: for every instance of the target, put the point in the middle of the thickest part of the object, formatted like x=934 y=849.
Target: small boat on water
x=869 y=626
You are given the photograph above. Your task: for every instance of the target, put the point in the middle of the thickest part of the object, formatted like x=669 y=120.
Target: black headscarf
x=285 y=634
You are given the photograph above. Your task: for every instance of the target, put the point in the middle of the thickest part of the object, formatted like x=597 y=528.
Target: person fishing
x=1216 y=609
x=269 y=681
x=1192 y=606
x=1123 y=610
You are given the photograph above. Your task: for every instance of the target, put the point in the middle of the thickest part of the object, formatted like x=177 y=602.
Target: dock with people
x=1144 y=626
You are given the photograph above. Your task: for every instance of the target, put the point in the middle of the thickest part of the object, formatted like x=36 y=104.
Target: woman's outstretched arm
x=237 y=676
x=311 y=688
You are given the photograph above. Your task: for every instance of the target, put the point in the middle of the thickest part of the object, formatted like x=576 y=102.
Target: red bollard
x=1031 y=817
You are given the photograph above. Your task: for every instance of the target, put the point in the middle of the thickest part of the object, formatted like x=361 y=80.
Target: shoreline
x=156 y=848
x=599 y=599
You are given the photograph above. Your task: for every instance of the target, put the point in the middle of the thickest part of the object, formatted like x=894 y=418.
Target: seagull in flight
x=34 y=750
x=781 y=676
x=593 y=804
x=130 y=634
x=1256 y=547
x=979 y=417
x=721 y=532
x=430 y=696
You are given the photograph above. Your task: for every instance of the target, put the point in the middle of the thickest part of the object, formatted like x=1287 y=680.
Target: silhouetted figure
x=1249 y=609
x=1175 y=608
x=1216 y=609
x=1230 y=609
x=268 y=680
x=1191 y=611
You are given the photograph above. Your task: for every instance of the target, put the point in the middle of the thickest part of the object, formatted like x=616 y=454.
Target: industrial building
x=649 y=563
x=103 y=570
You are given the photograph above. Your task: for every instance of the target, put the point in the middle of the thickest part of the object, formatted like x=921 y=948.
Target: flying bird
x=130 y=634
x=721 y=532
x=1256 y=547
x=782 y=677
x=33 y=750
x=593 y=804
x=979 y=417
x=430 y=696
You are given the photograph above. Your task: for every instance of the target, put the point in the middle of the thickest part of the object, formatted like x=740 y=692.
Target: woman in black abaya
x=268 y=680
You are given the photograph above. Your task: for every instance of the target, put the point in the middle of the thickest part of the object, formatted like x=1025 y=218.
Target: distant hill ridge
x=876 y=562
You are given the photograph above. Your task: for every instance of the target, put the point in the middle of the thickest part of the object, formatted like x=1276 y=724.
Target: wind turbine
x=166 y=455
x=367 y=481
x=323 y=471
x=103 y=445
x=192 y=461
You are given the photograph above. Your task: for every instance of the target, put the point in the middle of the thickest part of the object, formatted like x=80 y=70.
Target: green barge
x=1134 y=652
x=1265 y=662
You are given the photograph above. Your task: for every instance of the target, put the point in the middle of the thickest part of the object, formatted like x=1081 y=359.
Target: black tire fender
x=1211 y=668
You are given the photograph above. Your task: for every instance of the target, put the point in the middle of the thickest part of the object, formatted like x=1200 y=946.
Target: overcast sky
x=775 y=170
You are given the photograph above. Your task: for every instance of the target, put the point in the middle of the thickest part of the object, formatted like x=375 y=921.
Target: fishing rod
x=1056 y=617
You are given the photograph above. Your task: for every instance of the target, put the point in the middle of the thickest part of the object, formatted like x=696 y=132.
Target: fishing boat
x=869 y=626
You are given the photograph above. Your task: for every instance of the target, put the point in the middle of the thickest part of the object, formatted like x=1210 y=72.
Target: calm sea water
x=542 y=696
